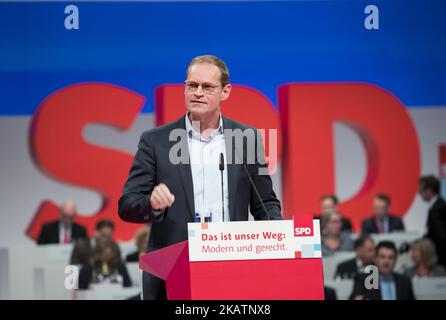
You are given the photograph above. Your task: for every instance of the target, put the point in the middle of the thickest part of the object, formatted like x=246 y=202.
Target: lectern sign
x=255 y=240
x=243 y=260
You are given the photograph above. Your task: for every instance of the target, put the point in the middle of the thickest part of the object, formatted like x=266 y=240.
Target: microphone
x=253 y=185
x=221 y=167
x=256 y=191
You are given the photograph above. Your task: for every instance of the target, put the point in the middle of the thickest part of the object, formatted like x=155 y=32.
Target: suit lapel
x=186 y=179
x=231 y=167
x=398 y=289
x=185 y=172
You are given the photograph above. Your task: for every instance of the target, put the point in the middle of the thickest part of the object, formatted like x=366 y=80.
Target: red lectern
x=261 y=279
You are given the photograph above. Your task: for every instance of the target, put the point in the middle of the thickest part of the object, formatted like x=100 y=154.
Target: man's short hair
x=105 y=224
x=332 y=197
x=224 y=72
x=430 y=182
x=384 y=197
x=388 y=245
x=361 y=241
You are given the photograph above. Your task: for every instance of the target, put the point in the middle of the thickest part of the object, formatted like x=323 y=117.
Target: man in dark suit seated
x=429 y=190
x=387 y=285
x=329 y=203
x=365 y=255
x=382 y=221
x=170 y=184
x=63 y=230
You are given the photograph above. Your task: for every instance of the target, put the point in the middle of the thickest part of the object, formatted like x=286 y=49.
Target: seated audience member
x=64 y=230
x=82 y=252
x=382 y=221
x=429 y=190
x=424 y=257
x=389 y=285
x=106 y=266
x=329 y=203
x=103 y=228
x=333 y=238
x=141 y=238
x=365 y=255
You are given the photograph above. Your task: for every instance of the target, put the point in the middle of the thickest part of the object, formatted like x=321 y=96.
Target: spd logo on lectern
x=303 y=226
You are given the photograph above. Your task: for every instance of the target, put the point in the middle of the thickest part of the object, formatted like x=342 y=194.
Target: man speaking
x=202 y=166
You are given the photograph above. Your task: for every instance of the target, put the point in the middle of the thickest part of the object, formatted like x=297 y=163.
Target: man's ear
x=226 y=92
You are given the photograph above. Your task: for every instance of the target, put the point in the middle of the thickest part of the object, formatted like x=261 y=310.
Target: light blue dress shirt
x=388 y=288
x=206 y=176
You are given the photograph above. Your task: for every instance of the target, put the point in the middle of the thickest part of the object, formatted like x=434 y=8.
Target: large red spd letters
x=302 y=127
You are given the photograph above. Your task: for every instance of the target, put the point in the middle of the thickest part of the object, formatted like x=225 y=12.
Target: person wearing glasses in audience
x=329 y=203
x=333 y=239
x=175 y=176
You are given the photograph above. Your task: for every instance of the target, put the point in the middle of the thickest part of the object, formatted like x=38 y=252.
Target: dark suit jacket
x=330 y=294
x=152 y=166
x=347 y=269
x=436 y=226
x=132 y=257
x=50 y=233
x=402 y=283
x=369 y=225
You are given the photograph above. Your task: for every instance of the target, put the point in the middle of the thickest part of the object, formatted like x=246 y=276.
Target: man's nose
x=199 y=91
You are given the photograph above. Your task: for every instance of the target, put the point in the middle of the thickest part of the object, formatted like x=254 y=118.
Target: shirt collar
x=192 y=132
x=64 y=226
x=386 y=277
x=433 y=200
x=383 y=219
x=359 y=263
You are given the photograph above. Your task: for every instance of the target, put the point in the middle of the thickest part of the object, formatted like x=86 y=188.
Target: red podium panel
x=277 y=279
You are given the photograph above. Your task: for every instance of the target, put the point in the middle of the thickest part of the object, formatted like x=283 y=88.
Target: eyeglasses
x=207 y=88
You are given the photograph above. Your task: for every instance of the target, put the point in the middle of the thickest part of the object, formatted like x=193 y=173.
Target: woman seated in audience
x=141 y=238
x=424 y=257
x=81 y=253
x=105 y=266
x=333 y=238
